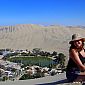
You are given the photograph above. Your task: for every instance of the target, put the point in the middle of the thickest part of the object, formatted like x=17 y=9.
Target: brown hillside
x=29 y=36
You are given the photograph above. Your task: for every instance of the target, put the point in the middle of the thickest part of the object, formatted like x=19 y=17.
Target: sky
x=45 y=12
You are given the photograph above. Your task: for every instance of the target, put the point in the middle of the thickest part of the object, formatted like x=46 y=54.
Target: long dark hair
x=74 y=47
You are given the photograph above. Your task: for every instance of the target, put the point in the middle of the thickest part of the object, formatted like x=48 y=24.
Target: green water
x=40 y=61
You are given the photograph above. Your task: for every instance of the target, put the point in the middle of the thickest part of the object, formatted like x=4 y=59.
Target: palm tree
x=61 y=58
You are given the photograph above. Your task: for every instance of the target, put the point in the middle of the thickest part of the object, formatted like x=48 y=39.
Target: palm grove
x=56 y=59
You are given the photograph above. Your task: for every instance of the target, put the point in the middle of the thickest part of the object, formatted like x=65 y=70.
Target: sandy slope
x=52 y=80
x=29 y=36
x=58 y=79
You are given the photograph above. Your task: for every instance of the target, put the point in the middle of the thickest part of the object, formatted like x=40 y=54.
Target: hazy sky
x=64 y=12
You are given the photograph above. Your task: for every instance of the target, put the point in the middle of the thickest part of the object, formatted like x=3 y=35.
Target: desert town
x=15 y=71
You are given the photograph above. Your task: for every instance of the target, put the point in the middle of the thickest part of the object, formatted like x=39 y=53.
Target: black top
x=72 y=65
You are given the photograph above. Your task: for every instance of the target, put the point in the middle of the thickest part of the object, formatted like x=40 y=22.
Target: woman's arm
x=74 y=55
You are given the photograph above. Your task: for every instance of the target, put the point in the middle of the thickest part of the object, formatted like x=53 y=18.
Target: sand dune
x=29 y=36
x=49 y=80
x=58 y=79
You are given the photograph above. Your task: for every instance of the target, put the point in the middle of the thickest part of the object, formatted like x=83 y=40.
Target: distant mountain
x=29 y=36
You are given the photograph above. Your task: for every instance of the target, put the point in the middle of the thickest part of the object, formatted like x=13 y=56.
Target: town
x=24 y=64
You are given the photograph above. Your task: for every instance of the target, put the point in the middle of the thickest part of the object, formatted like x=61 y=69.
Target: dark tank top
x=72 y=65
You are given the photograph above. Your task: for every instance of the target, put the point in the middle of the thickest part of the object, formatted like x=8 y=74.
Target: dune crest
x=29 y=36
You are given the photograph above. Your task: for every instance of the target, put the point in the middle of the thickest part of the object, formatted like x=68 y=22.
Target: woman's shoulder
x=73 y=51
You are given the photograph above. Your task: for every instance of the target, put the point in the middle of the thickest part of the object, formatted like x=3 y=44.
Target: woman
x=75 y=68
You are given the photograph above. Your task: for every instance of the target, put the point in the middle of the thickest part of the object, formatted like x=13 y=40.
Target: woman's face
x=78 y=43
